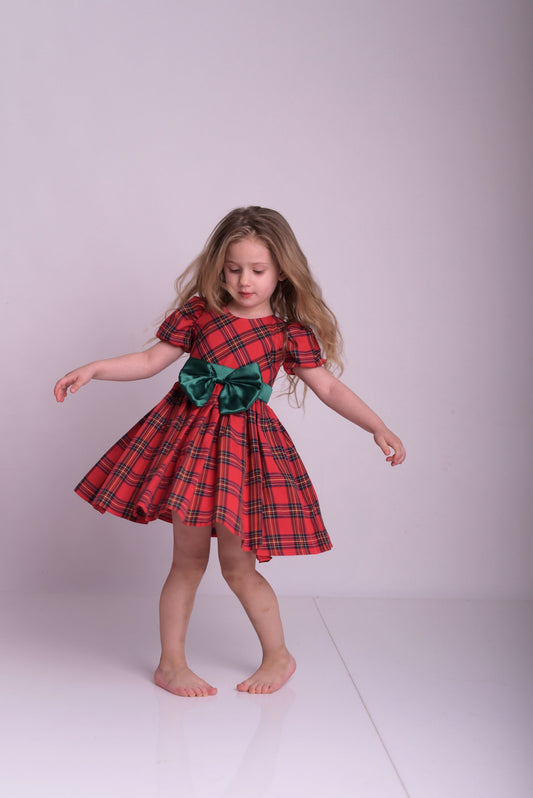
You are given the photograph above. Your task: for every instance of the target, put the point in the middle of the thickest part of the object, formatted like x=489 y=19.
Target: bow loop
x=240 y=387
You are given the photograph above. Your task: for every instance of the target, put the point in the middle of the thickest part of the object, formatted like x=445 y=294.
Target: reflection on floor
x=428 y=699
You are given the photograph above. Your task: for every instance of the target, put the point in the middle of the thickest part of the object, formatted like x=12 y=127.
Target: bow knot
x=241 y=386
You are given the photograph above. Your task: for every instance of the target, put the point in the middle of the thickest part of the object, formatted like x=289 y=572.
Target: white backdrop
x=395 y=137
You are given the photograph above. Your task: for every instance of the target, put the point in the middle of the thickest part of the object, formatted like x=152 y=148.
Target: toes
x=184 y=686
x=203 y=691
x=193 y=692
x=257 y=688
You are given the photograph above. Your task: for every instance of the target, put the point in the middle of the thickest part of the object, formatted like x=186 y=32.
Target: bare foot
x=272 y=675
x=183 y=682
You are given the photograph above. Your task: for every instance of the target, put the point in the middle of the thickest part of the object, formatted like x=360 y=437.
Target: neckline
x=249 y=318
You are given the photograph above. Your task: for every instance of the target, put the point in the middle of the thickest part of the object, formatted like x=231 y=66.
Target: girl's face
x=251 y=276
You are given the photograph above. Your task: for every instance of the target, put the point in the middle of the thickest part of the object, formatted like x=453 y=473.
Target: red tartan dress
x=240 y=469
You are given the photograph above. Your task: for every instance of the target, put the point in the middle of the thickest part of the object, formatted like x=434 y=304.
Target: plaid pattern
x=240 y=470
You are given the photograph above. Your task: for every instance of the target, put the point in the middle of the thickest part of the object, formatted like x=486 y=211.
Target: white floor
x=429 y=699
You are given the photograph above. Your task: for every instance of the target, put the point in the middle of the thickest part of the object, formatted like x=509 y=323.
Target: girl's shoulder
x=295 y=331
x=301 y=348
x=193 y=307
x=295 y=328
x=188 y=313
x=178 y=327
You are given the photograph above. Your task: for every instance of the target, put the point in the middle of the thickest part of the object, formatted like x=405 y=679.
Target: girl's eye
x=256 y=271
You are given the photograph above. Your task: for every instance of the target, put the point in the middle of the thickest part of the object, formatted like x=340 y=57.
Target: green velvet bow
x=242 y=386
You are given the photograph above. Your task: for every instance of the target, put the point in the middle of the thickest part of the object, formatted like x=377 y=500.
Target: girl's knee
x=191 y=547
x=237 y=572
x=234 y=578
x=190 y=564
x=196 y=563
x=237 y=566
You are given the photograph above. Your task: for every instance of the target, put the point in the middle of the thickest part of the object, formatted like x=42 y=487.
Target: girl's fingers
x=59 y=391
x=397 y=456
x=64 y=384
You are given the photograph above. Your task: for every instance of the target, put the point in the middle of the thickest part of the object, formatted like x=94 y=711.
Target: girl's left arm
x=339 y=397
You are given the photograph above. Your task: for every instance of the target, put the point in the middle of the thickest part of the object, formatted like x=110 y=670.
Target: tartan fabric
x=240 y=470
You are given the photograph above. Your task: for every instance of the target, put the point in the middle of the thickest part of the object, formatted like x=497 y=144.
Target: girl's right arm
x=136 y=366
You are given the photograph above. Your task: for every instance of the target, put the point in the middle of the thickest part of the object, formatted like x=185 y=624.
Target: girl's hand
x=73 y=380
x=387 y=440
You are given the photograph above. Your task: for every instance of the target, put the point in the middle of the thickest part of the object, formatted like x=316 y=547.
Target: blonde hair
x=297 y=298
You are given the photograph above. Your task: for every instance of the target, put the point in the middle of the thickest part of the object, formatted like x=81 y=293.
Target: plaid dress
x=241 y=469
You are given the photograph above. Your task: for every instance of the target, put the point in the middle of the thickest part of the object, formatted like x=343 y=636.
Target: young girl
x=212 y=457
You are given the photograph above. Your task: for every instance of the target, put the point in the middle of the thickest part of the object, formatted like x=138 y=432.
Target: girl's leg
x=261 y=606
x=189 y=561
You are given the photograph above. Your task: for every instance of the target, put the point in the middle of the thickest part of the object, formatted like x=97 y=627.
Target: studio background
x=395 y=138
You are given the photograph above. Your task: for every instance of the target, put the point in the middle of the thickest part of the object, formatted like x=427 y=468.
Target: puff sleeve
x=302 y=349
x=179 y=328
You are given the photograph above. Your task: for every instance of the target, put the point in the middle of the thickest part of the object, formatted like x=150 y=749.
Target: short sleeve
x=178 y=329
x=302 y=349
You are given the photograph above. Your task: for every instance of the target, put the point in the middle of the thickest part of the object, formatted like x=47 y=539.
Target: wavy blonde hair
x=297 y=298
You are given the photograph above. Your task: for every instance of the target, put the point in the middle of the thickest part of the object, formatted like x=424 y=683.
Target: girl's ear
x=282 y=276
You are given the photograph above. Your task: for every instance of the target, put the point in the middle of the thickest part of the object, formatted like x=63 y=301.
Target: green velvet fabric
x=242 y=386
